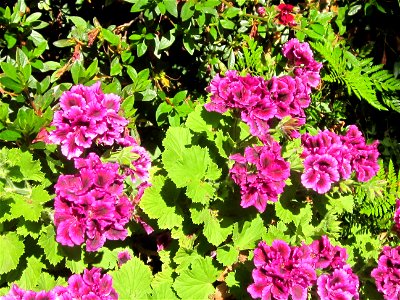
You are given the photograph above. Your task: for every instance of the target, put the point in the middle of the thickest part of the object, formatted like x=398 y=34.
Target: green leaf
x=188 y=43
x=10 y=39
x=227 y=255
x=30 y=169
x=216 y=230
x=161 y=207
x=110 y=37
x=190 y=168
x=64 y=43
x=227 y=24
x=78 y=22
x=9 y=135
x=197 y=283
x=196 y=122
x=10 y=70
x=172 y=7
x=141 y=48
x=162 y=285
x=318 y=28
x=47 y=241
x=200 y=192
x=247 y=236
x=11 y=84
x=30 y=207
x=187 y=10
x=176 y=140
x=132 y=280
x=342 y=204
x=31 y=275
x=47 y=282
x=12 y=249
x=116 y=67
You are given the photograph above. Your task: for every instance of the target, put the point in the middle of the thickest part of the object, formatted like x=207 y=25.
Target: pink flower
x=281 y=271
x=261 y=175
x=387 y=273
x=90 y=206
x=91 y=285
x=87 y=116
x=341 y=284
x=330 y=157
x=397 y=216
x=123 y=257
x=320 y=171
x=285 y=16
x=327 y=256
x=261 y=11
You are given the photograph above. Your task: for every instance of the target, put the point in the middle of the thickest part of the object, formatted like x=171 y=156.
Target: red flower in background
x=285 y=16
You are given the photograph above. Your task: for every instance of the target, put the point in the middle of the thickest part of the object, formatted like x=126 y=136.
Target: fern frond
x=360 y=76
x=380 y=205
x=392 y=101
x=362 y=87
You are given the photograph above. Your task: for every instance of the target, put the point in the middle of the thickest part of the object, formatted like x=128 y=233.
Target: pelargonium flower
x=330 y=157
x=364 y=160
x=320 y=171
x=87 y=116
x=140 y=166
x=235 y=92
x=397 y=216
x=91 y=285
x=341 y=284
x=285 y=16
x=261 y=11
x=327 y=256
x=123 y=257
x=387 y=273
x=281 y=271
x=16 y=293
x=301 y=57
x=260 y=174
x=90 y=206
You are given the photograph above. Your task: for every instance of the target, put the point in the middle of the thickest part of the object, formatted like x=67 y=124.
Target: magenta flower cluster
x=387 y=273
x=260 y=173
x=283 y=271
x=329 y=157
x=91 y=285
x=397 y=216
x=260 y=101
x=87 y=117
x=338 y=280
x=90 y=206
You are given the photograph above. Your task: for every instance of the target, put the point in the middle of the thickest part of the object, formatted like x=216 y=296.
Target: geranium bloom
x=123 y=257
x=139 y=168
x=320 y=171
x=261 y=175
x=87 y=116
x=90 y=206
x=397 y=216
x=327 y=256
x=285 y=16
x=387 y=273
x=341 y=284
x=281 y=271
x=91 y=285
x=364 y=160
x=330 y=157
